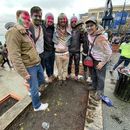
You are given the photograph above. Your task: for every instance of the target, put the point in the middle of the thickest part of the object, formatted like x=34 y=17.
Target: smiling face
x=73 y=22
x=37 y=18
x=24 y=19
x=91 y=27
x=62 y=20
x=49 y=20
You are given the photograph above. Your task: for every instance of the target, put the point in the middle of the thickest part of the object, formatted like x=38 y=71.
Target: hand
x=27 y=77
x=100 y=65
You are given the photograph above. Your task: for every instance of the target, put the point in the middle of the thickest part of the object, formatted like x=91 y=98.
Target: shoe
x=42 y=107
x=29 y=94
x=68 y=77
x=49 y=80
x=76 y=77
x=53 y=77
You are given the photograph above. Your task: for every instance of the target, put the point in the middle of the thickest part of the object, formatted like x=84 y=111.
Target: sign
x=120 y=18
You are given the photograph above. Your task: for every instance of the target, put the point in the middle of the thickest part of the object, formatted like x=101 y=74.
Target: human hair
x=35 y=9
x=18 y=12
x=61 y=15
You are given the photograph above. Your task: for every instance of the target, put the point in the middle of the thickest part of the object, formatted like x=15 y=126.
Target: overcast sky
x=69 y=7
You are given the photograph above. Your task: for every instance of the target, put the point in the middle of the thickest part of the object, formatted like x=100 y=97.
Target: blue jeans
x=49 y=57
x=121 y=59
x=36 y=79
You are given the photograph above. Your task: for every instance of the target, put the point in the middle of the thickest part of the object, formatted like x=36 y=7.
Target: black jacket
x=75 y=42
x=85 y=43
x=48 y=36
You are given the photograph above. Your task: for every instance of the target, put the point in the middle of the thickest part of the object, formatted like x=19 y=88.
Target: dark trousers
x=98 y=78
x=42 y=59
x=4 y=61
x=49 y=57
x=121 y=59
x=76 y=58
x=84 y=66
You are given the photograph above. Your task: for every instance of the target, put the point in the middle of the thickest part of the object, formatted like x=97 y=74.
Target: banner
x=120 y=18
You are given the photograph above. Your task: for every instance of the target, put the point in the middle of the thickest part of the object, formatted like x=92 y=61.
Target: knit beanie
x=73 y=18
x=9 y=25
x=49 y=15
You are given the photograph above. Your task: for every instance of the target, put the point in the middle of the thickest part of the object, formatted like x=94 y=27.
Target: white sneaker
x=42 y=107
x=29 y=94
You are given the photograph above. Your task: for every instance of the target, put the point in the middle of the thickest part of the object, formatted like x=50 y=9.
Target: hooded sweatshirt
x=101 y=50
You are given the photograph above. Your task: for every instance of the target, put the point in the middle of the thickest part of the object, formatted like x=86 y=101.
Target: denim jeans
x=98 y=78
x=36 y=79
x=49 y=57
x=121 y=59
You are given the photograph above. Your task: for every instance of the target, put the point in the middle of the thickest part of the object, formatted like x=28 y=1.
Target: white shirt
x=40 y=41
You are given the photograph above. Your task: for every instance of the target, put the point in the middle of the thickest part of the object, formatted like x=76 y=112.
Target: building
x=98 y=12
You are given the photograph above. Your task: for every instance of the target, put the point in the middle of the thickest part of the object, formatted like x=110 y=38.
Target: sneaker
x=29 y=94
x=49 y=80
x=42 y=107
x=76 y=77
x=68 y=77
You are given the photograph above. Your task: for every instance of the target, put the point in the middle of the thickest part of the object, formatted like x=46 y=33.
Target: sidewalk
x=11 y=83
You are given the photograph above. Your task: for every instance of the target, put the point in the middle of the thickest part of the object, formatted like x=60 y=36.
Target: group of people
x=34 y=45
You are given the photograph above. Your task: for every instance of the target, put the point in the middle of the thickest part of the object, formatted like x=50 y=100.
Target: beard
x=37 y=22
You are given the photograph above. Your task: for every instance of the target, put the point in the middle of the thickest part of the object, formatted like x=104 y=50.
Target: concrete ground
x=11 y=83
x=117 y=117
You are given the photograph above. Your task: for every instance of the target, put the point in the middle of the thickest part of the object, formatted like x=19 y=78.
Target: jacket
x=21 y=49
x=75 y=42
x=48 y=36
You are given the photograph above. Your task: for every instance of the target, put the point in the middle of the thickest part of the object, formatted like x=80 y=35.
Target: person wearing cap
x=125 y=53
x=25 y=58
x=49 y=50
x=101 y=53
x=9 y=25
x=61 y=39
x=74 y=47
x=36 y=30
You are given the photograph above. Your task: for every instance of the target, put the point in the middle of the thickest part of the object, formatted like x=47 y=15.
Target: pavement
x=11 y=83
x=105 y=118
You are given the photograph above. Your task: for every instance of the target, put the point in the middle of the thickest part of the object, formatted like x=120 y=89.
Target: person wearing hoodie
x=74 y=47
x=49 y=50
x=25 y=58
x=101 y=53
x=61 y=39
